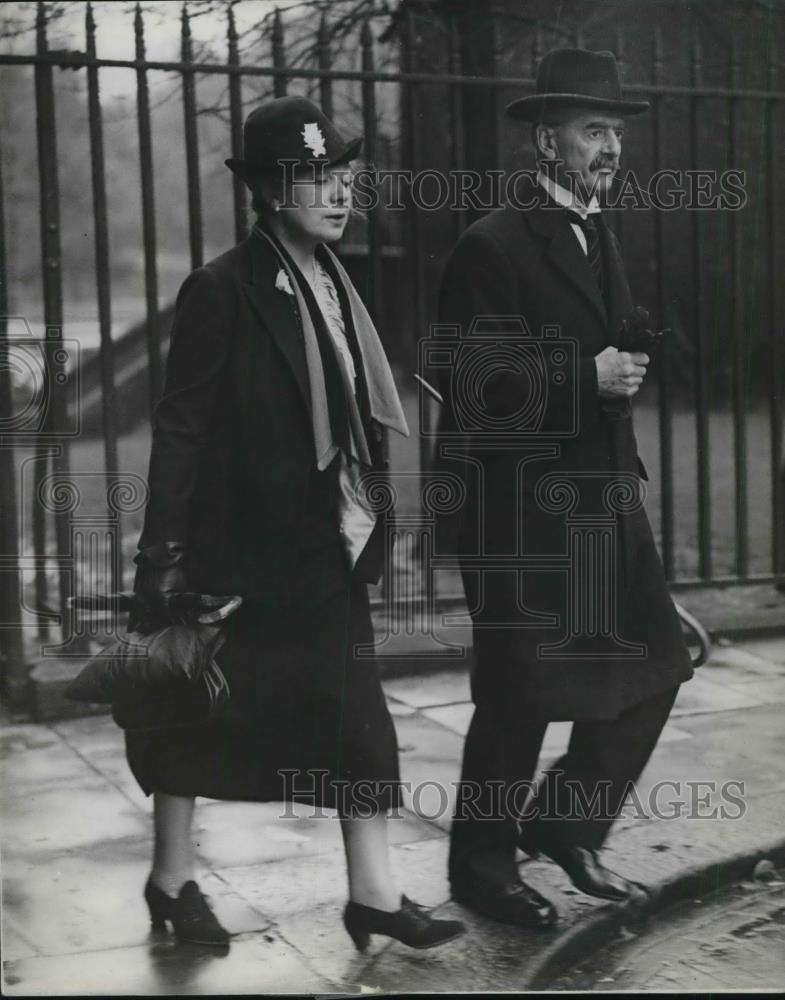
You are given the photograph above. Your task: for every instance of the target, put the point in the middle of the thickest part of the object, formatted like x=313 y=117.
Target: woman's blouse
x=327 y=297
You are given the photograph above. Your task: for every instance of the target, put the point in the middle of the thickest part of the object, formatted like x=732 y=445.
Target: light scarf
x=384 y=402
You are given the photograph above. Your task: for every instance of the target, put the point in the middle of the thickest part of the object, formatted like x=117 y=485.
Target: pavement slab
x=772 y=649
x=257 y=965
x=446 y=687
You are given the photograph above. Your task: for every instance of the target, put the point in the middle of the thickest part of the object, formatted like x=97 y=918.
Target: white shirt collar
x=562 y=196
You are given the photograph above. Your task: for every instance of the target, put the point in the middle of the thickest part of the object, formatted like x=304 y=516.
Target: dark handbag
x=164 y=675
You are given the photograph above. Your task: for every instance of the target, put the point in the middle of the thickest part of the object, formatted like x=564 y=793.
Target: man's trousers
x=577 y=800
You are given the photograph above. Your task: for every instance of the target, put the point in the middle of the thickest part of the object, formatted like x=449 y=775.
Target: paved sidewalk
x=76 y=844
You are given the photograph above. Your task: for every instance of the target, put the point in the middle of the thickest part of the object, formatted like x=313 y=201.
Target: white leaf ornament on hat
x=282 y=283
x=313 y=139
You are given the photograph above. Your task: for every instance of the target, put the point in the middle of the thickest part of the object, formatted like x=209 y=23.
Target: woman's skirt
x=306 y=720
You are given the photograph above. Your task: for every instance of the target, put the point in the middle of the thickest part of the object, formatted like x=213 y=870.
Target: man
x=563 y=631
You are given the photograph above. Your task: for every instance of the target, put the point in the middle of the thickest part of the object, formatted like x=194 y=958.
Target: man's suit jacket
x=233 y=454
x=528 y=263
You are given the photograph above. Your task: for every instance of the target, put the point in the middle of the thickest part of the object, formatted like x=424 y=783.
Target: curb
x=594 y=933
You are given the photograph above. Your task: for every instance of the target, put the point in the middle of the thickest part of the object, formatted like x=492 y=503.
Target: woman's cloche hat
x=292 y=129
x=575 y=78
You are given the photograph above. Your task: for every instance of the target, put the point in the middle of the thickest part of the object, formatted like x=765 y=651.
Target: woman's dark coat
x=233 y=476
x=233 y=455
x=528 y=263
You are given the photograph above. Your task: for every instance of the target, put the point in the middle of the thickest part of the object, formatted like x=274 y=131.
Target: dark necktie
x=593 y=246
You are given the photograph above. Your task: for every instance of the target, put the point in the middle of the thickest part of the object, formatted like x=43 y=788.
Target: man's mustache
x=603 y=163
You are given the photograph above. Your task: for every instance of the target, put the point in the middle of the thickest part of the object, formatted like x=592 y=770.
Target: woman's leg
x=173 y=851
x=368 y=862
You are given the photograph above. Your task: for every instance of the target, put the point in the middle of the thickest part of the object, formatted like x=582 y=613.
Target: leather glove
x=160 y=573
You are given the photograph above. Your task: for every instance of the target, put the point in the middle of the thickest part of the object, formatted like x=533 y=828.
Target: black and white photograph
x=392 y=497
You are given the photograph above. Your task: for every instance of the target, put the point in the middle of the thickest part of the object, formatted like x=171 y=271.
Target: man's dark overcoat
x=527 y=261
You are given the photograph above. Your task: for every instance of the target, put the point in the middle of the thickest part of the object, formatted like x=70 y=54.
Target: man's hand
x=619 y=374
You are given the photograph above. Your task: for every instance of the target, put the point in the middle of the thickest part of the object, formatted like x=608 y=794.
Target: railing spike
x=619 y=45
x=324 y=62
x=735 y=65
x=279 y=57
x=40 y=28
x=538 y=44
x=89 y=19
x=185 y=34
x=139 y=33
x=697 y=59
x=772 y=74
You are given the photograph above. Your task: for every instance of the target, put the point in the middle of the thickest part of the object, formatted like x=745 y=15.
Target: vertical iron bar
x=236 y=126
x=191 y=145
x=456 y=119
x=54 y=418
x=537 y=48
x=102 y=273
x=777 y=361
x=702 y=426
x=375 y=291
x=279 y=55
x=374 y=296
x=324 y=61
x=41 y=465
x=148 y=216
x=618 y=215
x=664 y=399
x=13 y=671
x=493 y=68
x=737 y=340
x=415 y=223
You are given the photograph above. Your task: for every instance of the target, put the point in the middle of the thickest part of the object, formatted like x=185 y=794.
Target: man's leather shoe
x=583 y=869
x=508 y=902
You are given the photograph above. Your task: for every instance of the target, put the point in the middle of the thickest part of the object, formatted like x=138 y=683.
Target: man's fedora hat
x=575 y=78
x=293 y=129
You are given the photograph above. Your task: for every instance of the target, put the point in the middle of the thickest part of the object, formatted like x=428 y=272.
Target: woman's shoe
x=410 y=925
x=189 y=914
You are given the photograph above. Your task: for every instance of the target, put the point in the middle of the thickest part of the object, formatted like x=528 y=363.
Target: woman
x=277 y=391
